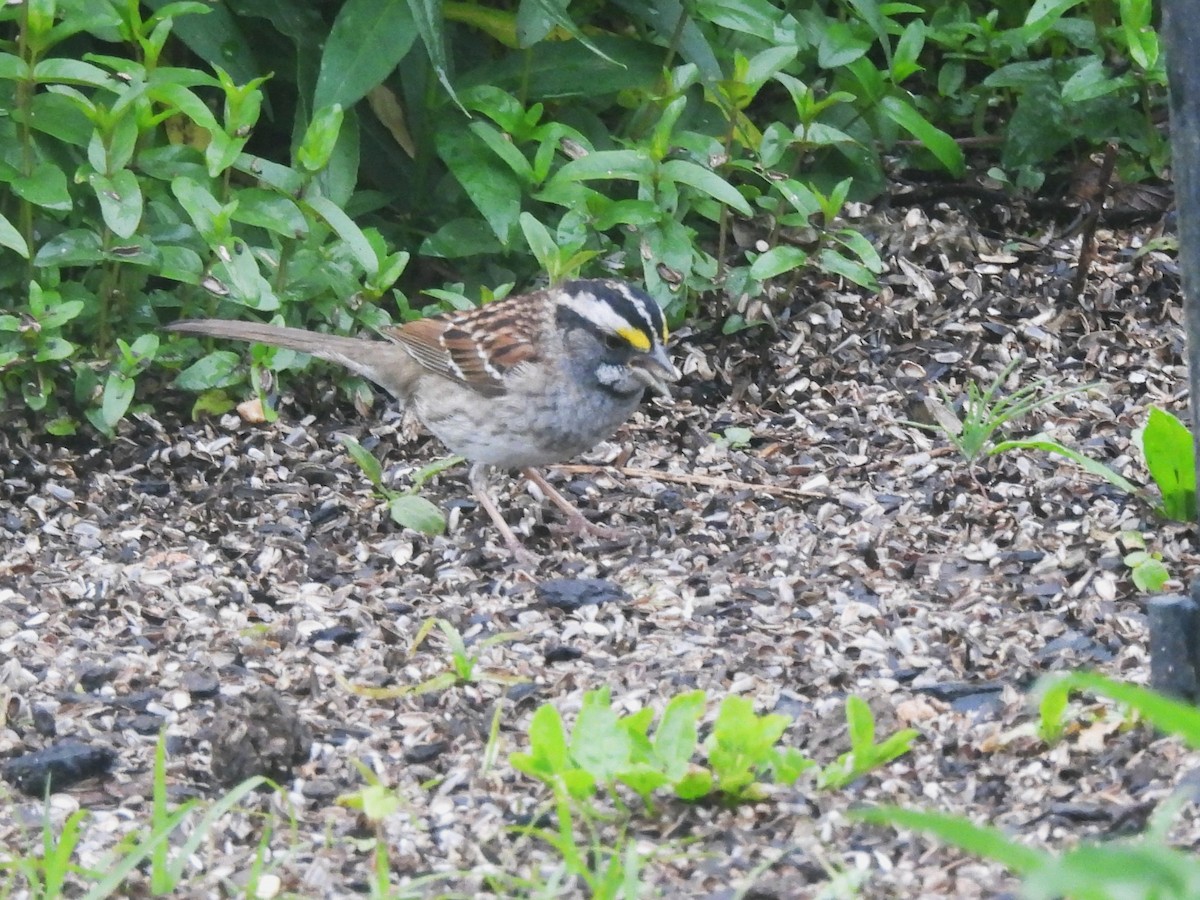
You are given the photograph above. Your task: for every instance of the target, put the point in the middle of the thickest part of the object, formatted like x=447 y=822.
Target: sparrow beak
x=655 y=369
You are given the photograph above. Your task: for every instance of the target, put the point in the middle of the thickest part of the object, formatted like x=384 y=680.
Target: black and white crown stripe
x=617 y=308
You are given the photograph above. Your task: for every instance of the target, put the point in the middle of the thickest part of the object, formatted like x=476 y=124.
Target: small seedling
x=984 y=412
x=1149 y=572
x=407 y=508
x=865 y=755
x=464 y=665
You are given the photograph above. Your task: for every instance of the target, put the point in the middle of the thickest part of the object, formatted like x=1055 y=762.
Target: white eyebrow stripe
x=597 y=312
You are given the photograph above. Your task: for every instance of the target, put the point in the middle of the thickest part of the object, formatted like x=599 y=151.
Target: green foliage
x=1136 y=868
x=1165 y=714
x=1171 y=459
x=865 y=755
x=1089 y=465
x=606 y=749
x=190 y=159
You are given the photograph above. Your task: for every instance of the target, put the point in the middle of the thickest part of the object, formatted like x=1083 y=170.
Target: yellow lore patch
x=636 y=339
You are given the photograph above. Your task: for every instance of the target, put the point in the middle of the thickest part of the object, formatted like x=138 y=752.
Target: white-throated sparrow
x=529 y=380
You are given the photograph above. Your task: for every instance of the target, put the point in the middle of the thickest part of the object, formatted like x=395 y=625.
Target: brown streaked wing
x=477 y=347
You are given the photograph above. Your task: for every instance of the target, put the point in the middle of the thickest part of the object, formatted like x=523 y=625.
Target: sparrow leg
x=575 y=519
x=477 y=476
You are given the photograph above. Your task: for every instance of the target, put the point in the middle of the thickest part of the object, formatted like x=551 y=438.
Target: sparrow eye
x=615 y=342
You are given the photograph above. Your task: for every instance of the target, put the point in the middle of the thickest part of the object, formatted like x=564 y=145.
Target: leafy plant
x=140 y=184
x=464 y=665
x=407 y=508
x=985 y=411
x=605 y=750
x=865 y=755
x=1149 y=572
x=610 y=871
x=1171 y=458
x=376 y=802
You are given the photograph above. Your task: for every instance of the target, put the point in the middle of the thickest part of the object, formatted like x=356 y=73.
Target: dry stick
x=1087 y=249
x=705 y=480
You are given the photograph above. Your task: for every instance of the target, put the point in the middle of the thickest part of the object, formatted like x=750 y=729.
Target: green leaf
x=1093 y=79
x=830 y=260
x=559 y=70
x=683 y=171
x=59 y=313
x=1149 y=574
x=502 y=146
x=59 y=116
x=60 y=70
x=1168 y=715
x=320 y=138
x=212 y=403
x=11 y=238
x=643 y=779
x=61 y=426
x=120 y=201
x=76 y=247
x=238 y=272
x=217 y=369
x=364 y=459
x=45 y=186
x=491 y=185
x=940 y=144
x=860 y=722
x=461 y=238
x=339 y=177
x=531 y=28
x=52 y=349
x=1089 y=465
x=1171 y=459
x=697 y=783
x=598 y=744
x=776 y=261
x=368 y=40
x=415 y=512
x=548 y=754
x=1118 y=869
x=537 y=235
x=676 y=736
x=270 y=210
x=118 y=393
x=218 y=38
x=1043 y=16
x=631 y=165
x=13 y=68
x=840 y=46
x=341 y=223
x=427 y=15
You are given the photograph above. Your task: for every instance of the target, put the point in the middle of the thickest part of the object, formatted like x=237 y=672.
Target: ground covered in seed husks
x=793 y=540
